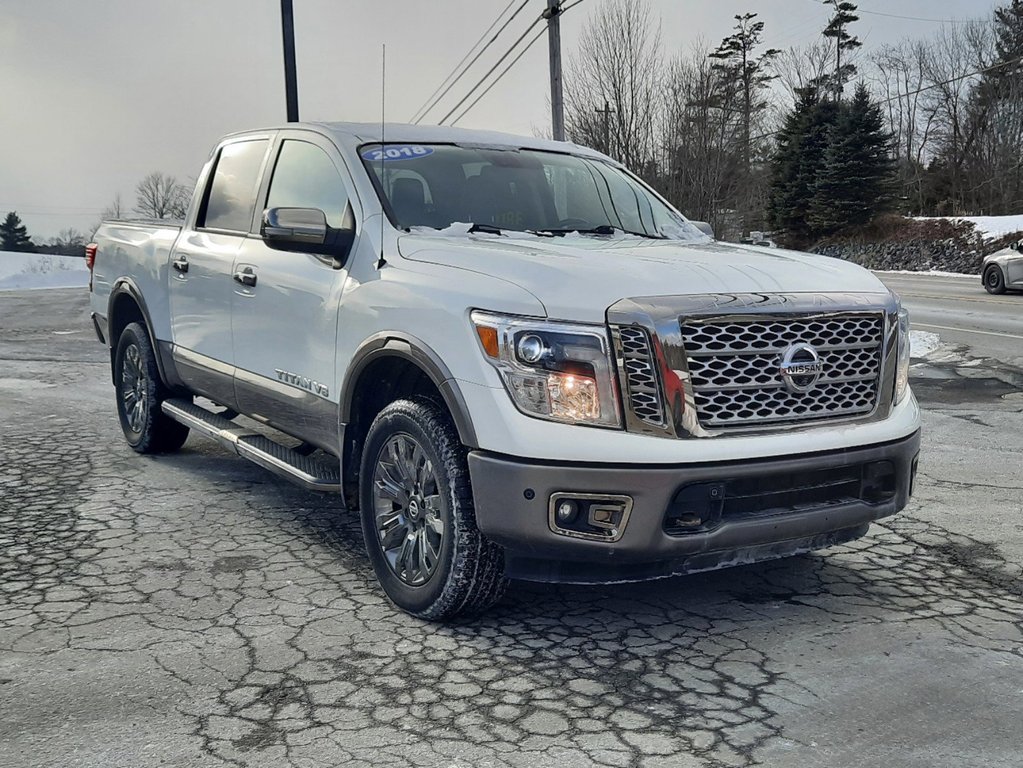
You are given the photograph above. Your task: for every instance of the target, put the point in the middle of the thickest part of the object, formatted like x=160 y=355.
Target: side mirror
x=704 y=227
x=1019 y=246
x=293 y=228
x=306 y=230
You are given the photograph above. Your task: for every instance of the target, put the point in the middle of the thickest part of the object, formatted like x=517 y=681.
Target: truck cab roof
x=353 y=135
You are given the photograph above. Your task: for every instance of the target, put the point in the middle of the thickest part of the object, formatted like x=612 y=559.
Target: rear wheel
x=418 y=517
x=140 y=391
x=994 y=280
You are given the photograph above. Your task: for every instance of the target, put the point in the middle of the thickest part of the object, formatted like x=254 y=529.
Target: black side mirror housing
x=1019 y=246
x=306 y=230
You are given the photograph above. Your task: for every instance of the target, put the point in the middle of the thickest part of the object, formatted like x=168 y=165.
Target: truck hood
x=577 y=277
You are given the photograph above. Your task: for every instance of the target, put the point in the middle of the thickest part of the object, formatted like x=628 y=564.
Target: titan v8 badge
x=303 y=382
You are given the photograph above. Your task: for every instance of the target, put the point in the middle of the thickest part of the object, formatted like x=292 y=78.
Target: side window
x=305 y=177
x=232 y=194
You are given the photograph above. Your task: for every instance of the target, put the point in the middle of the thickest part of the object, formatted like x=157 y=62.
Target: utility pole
x=553 y=16
x=605 y=114
x=290 y=78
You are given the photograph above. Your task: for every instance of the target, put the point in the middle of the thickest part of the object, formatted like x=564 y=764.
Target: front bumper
x=512 y=498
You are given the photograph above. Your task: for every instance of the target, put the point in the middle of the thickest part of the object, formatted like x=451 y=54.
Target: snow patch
x=923 y=343
x=28 y=271
x=990 y=227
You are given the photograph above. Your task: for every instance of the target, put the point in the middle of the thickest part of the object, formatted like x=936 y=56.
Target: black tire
x=467 y=574
x=140 y=391
x=994 y=280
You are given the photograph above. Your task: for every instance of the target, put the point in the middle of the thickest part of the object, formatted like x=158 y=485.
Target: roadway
x=961 y=312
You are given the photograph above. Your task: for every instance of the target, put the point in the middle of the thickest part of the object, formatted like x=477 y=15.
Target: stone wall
x=894 y=243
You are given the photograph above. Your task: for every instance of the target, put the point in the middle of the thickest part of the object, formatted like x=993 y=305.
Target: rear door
x=285 y=323
x=202 y=267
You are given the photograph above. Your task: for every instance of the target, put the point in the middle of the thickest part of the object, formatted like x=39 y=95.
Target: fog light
x=566 y=512
x=593 y=516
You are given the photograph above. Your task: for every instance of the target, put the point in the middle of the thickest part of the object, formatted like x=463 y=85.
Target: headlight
x=902 y=372
x=554 y=371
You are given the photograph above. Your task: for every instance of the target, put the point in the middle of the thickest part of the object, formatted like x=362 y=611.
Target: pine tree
x=14 y=235
x=845 y=14
x=798 y=163
x=855 y=181
x=743 y=75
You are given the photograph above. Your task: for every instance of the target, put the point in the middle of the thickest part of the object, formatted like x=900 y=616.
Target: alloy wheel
x=407 y=508
x=134 y=389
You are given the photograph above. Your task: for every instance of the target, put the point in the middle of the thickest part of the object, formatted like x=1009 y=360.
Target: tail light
x=90 y=260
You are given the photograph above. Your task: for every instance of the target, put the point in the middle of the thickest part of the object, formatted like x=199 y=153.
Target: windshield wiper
x=603 y=229
x=487 y=229
x=646 y=235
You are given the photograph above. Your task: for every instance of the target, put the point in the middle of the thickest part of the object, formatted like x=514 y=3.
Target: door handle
x=245 y=276
x=180 y=264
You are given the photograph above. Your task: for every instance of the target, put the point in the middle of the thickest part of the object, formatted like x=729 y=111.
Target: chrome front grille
x=735 y=368
x=639 y=374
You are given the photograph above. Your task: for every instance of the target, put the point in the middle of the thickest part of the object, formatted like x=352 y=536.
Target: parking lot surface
x=193 y=610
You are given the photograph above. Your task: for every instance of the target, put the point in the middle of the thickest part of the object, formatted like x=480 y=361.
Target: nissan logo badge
x=800 y=368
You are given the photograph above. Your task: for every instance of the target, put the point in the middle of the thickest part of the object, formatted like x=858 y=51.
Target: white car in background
x=1004 y=269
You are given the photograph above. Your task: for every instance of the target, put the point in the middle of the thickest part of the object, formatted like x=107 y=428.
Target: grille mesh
x=640 y=377
x=736 y=379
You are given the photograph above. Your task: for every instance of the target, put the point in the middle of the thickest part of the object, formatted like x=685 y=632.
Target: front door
x=201 y=283
x=284 y=322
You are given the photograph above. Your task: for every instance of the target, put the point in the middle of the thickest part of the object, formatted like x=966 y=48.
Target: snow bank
x=21 y=271
x=989 y=227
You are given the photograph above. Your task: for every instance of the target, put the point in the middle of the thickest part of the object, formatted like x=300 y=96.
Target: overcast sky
x=95 y=94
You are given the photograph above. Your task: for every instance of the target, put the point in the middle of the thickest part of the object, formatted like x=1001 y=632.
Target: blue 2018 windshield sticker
x=397 y=152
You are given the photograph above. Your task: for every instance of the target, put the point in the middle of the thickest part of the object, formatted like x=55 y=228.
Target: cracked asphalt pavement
x=194 y=610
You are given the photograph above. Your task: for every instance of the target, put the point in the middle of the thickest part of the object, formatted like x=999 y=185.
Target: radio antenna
x=383 y=146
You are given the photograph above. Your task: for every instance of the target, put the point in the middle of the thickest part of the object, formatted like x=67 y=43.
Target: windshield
x=437 y=185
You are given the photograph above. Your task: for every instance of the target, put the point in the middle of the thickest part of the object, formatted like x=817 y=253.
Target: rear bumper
x=794 y=513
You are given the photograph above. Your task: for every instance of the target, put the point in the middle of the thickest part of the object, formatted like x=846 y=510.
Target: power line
x=422 y=113
x=498 y=78
x=490 y=71
x=505 y=71
x=911 y=18
x=465 y=58
x=897 y=16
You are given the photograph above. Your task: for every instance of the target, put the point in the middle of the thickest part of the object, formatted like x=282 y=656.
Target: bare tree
x=701 y=140
x=617 y=71
x=160 y=196
x=901 y=79
x=116 y=209
x=957 y=54
x=803 y=67
x=70 y=242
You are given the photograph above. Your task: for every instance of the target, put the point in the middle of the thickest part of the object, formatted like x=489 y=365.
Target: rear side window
x=232 y=194
x=305 y=177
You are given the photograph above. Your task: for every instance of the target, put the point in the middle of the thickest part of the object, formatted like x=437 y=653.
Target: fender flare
x=126 y=286
x=408 y=347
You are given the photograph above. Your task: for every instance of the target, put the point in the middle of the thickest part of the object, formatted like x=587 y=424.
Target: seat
x=408 y=201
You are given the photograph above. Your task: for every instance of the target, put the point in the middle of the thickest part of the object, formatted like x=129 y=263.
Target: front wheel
x=994 y=280
x=140 y=391
x=418 y=517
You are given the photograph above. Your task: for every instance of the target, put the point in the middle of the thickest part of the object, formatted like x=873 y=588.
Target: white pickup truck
x=514 y=358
